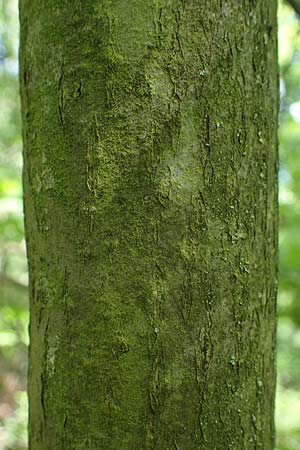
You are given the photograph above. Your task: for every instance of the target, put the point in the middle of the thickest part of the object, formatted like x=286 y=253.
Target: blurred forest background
x=13 y=271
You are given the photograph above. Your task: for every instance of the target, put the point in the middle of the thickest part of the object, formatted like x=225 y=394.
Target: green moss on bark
x=150 y=159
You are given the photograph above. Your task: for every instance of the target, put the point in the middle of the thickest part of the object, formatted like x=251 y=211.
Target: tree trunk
x=150 y=160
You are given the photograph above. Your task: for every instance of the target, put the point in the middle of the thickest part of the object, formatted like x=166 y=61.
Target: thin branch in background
x=295 y=4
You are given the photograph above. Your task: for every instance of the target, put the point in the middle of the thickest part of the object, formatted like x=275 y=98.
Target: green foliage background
x=13 y=272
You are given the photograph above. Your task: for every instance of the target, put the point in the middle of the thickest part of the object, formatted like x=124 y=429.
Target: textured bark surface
x=150 y=154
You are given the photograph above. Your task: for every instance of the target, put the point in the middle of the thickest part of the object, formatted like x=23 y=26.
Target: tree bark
x=150 y=165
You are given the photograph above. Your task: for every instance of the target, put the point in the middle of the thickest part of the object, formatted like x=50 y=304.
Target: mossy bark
x=150 y=160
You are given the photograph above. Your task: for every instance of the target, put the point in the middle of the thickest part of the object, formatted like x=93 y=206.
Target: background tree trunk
x=150 y=154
